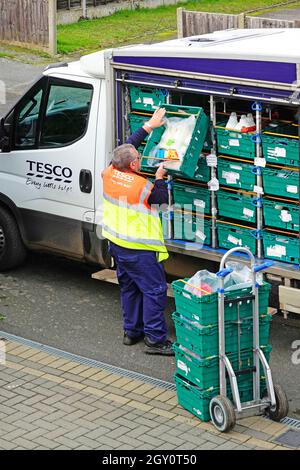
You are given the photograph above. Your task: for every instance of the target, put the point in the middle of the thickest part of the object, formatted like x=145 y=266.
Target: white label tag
x=292 y=189
x=234 y=142
x=200 y=235
x=277 y=250
x=234 y=240
x=279 y=152
x=211 y=160
x=182 y=366
x=285 y=216
x=213 y=184
x=258 y=190
x=260 y=162
x=199 y=203
x=148 y=101
x=230 y=177
x=236 y=167
x=248 y=212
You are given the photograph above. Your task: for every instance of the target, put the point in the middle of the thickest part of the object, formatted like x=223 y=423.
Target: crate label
x=236 y=167
x=211 y=160
x=258 y=190
x=292 y=189
x=234 y=240
x=230 y=177
x=200 y=235
x=276 y=250
x=148 y=101
x=182 y=366
x=199 y=203
x=279 y=152
x=248 y=212
x=285 y=216
x=234 y=142
x=213 y=184
x=260 y=162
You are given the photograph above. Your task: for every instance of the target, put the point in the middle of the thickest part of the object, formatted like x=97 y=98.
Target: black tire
x=222 y=413
x=281 y=409
x=12 y=249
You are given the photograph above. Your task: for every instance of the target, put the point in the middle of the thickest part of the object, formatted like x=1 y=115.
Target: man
x=136 y=241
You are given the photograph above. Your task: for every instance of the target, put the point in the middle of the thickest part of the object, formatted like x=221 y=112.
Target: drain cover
x=290 y=438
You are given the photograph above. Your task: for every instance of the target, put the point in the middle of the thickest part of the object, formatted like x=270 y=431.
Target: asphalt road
x=55 y=301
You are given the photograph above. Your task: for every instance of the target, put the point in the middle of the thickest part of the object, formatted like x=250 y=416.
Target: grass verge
x=142 y=25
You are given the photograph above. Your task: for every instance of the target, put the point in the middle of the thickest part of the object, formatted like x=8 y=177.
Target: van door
x=48 y=174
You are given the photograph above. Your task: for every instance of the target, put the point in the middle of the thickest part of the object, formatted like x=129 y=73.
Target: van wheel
x=12 y=249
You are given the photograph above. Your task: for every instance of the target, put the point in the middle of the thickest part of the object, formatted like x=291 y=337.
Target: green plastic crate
x=203 y=340
x=191 y=156
x=281 y=149
x=237 y=206
x=204 y=310
x=231 y=236
x=281 y=215
x=146 y=99
x=202 y=172
x=196 y=400
x=192 y=198
x=238 y=144
x=281 y=182
x=136 y=122
x=236 y=174
x=204 y=372
x=189 y=227
x=281 y=247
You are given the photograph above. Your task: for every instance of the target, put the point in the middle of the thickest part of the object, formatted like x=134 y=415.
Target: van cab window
x=53 y=114
x=27 y=121
x=66 y=116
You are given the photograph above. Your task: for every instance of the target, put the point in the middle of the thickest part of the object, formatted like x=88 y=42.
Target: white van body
x=52 y=153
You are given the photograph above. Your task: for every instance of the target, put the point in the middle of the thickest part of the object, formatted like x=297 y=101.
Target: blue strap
x=256 y=107
x=224 y=272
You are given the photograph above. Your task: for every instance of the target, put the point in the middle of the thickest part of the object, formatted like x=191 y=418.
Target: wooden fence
x=193 y=23
x=29 y=22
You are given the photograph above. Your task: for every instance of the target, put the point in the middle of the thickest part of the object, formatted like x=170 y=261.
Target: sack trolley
x=223 y=411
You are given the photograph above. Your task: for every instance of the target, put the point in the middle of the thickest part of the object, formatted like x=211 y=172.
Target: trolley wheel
x=281 y=409
x=222 y=413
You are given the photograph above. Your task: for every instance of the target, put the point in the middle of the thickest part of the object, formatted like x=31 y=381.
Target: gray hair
x=123 y=156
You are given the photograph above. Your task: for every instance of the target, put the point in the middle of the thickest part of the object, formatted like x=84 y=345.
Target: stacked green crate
x=236 y=174
x=135 y=122
x=197 y=347
x=280 y=144
x=239 y=206
x=281 y=214
x=190 y=227
x=147 y=99
x=232 y=236
x=191 y=198
x=281 y=247
x=235 y=143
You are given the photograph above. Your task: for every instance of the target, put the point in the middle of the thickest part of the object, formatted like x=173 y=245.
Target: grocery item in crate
x=205 y=282
x=245 y=124
x=174 y=142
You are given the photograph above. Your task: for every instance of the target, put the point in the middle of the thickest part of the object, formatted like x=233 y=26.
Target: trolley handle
x=224 y=272
x=261 y=267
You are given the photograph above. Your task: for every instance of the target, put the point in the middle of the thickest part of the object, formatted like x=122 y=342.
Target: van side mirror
x=5 y=133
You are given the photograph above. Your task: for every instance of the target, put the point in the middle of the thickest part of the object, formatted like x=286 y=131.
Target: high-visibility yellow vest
x=128 y=220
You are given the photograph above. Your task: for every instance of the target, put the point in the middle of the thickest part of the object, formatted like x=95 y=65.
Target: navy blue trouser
x=143 y=292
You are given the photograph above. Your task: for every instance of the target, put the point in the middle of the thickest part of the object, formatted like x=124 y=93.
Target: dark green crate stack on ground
x=237 y=205
x=196 y=349
x=189 y=163
x=280 y=144
x=237 y=144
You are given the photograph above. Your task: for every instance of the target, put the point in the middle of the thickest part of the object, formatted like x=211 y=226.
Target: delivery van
x=60 y=135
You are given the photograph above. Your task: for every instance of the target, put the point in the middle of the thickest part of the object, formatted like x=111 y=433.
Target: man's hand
x=156 y=120
x=160 y=172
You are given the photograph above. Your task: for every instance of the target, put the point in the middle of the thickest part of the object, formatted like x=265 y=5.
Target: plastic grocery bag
x=174 y=142
x=202 y=283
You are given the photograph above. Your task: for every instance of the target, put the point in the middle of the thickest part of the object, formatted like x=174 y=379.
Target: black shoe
x=163 y=349
x=130 y=341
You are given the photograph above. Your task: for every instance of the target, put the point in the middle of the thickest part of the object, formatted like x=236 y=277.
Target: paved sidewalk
x=49 y=402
